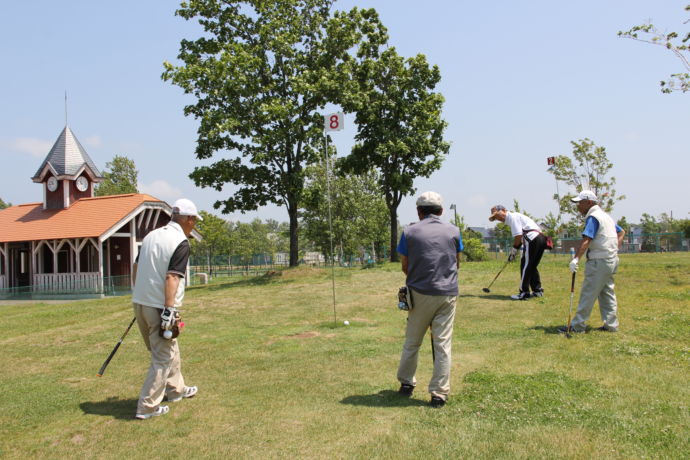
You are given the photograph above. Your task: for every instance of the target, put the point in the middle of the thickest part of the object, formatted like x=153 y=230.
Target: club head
x=486 y=290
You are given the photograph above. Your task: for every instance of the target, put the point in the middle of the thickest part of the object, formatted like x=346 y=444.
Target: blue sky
x=521 y=80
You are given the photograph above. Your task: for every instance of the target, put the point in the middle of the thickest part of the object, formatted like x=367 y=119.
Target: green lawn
x=277 y=379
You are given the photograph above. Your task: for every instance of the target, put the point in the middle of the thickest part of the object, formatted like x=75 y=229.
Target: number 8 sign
x=334 y=122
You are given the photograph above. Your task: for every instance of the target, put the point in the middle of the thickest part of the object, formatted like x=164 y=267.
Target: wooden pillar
x=32 y=263
x=107 y=257
x=132 y=249
x=7 y=262
x=77 y=252
x=100 y=265
x=55 y=256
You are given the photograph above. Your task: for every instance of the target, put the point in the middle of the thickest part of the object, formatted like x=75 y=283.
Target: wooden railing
x=67 y=282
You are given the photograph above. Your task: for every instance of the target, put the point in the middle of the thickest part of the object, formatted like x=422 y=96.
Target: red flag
x=551 y=161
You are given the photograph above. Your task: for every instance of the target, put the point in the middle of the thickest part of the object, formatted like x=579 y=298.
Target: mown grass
x=278 y=378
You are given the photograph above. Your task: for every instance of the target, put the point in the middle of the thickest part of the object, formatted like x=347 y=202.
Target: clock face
x=52 y=183
x=82 y=183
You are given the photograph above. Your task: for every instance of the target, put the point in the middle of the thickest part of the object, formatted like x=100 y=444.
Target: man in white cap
x=527 y=233
x=158 y=292
x=429 y=252
x=601 y=239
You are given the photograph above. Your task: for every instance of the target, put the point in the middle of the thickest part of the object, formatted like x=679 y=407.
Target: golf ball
x=346 y=323
x=167 y=334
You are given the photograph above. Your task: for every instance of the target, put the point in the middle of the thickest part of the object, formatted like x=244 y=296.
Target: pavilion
x=73 y=242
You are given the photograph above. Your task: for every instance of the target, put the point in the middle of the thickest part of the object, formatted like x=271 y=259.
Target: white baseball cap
x=185 y=207
x=585 y=195
x=430 y=199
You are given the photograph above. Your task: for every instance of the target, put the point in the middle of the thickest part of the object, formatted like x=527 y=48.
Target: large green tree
x=587 y=169
x=260 y=74
x=119 y=177
x=216 y=238
x=672 y=41
x=400 y=129
x=358 y=212
x=4 y=205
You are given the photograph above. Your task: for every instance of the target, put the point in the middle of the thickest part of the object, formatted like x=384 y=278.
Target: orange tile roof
x=86 y=218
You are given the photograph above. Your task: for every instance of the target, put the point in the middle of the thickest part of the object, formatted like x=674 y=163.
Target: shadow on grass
x=255 y=281
x=547 y=329
x=121 y=409
x=384 y=398
x=488 y=296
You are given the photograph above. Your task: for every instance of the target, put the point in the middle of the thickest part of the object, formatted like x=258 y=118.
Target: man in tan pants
x=429 y=251
x=158 y=293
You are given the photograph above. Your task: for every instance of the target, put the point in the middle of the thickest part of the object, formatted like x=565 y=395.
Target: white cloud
x=161 y=190
x=93 y=141
x=35 y=147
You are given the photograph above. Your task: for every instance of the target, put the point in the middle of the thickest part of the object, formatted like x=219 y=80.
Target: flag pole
x=331 y=122
x=330 y=225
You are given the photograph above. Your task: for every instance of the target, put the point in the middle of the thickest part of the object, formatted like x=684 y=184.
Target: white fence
x=61 y=282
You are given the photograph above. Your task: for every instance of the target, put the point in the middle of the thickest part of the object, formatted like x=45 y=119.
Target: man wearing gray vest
x=429 y=251
x=158 y=292
x=601 y=239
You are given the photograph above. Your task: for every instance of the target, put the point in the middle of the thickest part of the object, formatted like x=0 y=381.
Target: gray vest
x=432 y=248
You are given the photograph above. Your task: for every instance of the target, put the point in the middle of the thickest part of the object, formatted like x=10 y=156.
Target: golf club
x=433 y=352
x=487 y=289
x=570 y=310
x=112 y=353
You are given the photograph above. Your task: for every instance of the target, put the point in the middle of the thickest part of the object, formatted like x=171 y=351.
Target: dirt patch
x=301 y=335
x=77 y=439
x=304 y=335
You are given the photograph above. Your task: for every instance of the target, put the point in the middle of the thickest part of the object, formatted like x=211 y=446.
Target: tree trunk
x=393 y=210
x=294 y=249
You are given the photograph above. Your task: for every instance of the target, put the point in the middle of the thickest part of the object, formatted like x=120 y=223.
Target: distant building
x=72 y=241
x=485 y=232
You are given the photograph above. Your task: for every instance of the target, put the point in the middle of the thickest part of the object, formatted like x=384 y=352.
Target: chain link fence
x=632 y=243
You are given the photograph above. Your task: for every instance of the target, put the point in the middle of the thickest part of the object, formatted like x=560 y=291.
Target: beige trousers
x=598 y=284
x=439 y=313
x=164 y=375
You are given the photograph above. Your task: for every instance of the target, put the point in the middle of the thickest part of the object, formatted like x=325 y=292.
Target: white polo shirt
x=520 y=224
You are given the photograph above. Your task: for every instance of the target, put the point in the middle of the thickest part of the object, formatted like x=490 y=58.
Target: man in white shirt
x=158 y=292
x=527 y=233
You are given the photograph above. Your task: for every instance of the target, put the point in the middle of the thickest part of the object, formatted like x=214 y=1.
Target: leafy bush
x=474 y=250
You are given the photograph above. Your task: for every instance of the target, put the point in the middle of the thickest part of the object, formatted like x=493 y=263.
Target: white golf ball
x=167 y=334
x=346 y=323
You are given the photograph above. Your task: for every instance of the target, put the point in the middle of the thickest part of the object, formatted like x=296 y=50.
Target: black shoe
x=604 y=329
x=406 y=389
x=521 y=296
x=437 y=402
x=564 y=329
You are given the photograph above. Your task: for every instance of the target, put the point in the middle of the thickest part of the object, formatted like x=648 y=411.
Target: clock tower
x=67 y=174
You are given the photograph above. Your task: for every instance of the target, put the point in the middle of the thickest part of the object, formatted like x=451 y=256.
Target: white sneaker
x=520 y=296
x=188 y=392
x=160 y=410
